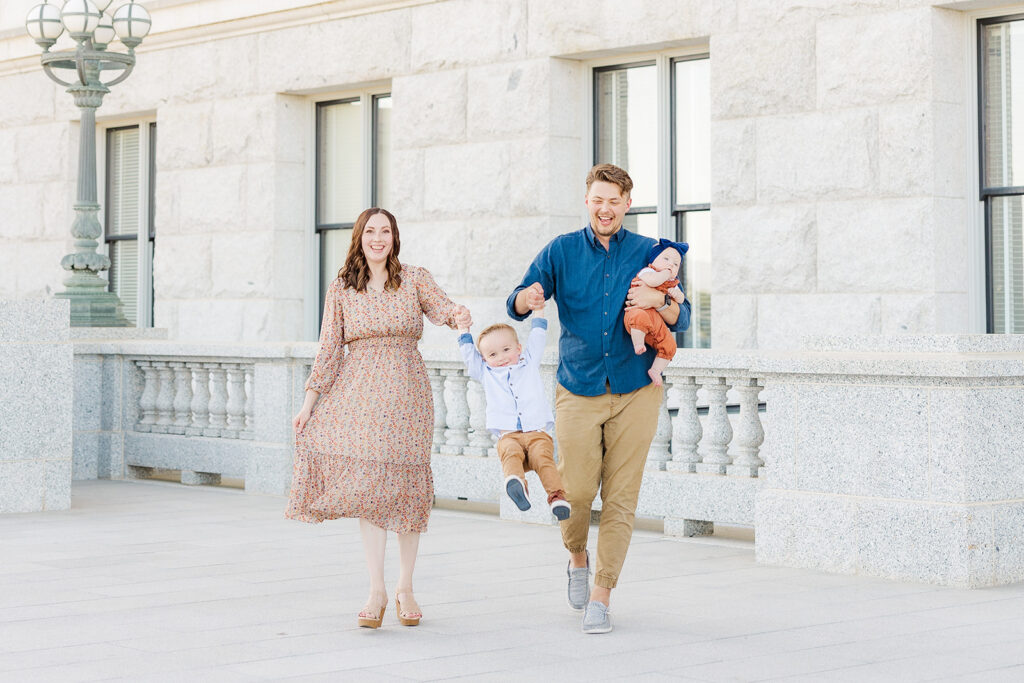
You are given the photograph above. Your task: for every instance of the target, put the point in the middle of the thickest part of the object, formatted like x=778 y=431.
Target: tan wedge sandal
x=370 y=621
x=407 y=618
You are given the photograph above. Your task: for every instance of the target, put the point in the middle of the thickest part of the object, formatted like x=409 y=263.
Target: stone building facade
x=839 y=154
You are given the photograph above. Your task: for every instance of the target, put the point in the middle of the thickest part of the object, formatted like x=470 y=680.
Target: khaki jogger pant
x=603 y=442
x=524 y=451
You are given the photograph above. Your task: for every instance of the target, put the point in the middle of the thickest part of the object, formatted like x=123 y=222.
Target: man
x=606 y=409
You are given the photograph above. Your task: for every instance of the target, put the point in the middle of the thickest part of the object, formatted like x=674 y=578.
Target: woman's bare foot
x=374 y=605
x=409 y=612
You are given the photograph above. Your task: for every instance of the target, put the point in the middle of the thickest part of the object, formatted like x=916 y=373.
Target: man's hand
x=530 y=299
x=641 y=296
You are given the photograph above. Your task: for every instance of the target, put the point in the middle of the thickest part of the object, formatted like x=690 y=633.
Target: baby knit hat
x=664 y=244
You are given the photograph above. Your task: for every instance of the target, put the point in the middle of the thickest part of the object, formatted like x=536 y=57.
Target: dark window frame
x=986 y=192
x=322 y=230
x=149 y=229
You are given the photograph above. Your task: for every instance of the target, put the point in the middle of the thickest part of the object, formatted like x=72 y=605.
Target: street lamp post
x=93 y=29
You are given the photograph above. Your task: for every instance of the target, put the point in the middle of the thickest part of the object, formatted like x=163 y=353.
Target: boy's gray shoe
x=579 y=585
x=597 y=618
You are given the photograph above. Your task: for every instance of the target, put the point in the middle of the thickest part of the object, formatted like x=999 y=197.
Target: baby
x=647 y=325
x=517 y=409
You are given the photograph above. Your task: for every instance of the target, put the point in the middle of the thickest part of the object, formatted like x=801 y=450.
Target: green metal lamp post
x=93 y=30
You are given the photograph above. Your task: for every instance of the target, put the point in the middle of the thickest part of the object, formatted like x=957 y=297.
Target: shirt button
x=607 y=275
x=606 y=354
x=606 y=334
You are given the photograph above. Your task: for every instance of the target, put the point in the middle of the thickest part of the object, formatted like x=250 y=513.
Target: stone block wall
x=839 y=148
x=36 y=395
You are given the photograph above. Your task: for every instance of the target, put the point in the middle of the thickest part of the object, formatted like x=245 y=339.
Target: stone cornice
x=185 y=22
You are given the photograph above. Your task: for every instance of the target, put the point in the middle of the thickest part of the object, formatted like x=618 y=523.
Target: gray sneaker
x=579 y=585
x=597 y=618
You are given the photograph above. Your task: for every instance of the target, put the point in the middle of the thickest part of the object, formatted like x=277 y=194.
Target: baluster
x=236 y=400
x=440 y=410
x=659 y=453
x=200 y=399
x=250 y=399
x=715 y=445
x=164 y=398
x=456 y=433
x=182 y=397
x=686 y=429
x=218 y=400
x=479 y=437
x=749 y=432
x=147 y=399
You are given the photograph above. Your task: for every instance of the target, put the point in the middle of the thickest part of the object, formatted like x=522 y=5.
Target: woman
x=363 y=449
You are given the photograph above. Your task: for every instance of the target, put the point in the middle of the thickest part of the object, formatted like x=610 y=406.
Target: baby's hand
x=677 y=294
x=535 y=297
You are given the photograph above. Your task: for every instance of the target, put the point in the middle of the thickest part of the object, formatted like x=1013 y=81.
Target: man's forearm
x=671 y=314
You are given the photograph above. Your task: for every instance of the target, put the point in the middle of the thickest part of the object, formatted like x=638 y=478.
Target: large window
x=129 y=230
x=1001 y=82
x=353 y=168
x=653 y=118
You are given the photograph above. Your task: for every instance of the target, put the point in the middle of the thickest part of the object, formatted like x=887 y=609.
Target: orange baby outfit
x=365 y=451
x=656 y=332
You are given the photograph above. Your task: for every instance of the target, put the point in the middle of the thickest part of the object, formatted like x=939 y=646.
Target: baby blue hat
x=664 y=244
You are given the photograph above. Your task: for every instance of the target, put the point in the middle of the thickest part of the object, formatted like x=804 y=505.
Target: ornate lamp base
x=91 y=304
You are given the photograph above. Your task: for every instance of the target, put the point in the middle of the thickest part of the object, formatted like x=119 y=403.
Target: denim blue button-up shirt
x=515 y=393
x=590 y=284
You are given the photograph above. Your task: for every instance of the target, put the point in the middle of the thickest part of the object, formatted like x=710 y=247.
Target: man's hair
x=494 y=328
x=610 y=173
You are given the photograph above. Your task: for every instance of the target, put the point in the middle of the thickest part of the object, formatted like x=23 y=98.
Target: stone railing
x=890 y=457
x=703 y=466
x=212 y=411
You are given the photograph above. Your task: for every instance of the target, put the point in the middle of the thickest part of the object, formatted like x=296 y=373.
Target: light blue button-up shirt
x=515 y=393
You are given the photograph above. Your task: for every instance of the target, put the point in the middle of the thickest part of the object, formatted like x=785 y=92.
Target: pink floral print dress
x=365 y=451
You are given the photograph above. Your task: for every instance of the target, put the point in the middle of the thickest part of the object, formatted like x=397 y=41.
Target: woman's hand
x=463 y=319
x=300 y=420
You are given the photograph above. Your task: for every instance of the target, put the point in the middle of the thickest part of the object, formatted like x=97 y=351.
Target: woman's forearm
x=310 y=400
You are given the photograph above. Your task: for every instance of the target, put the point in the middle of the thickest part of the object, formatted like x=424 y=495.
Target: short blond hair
x=610 y=173
x=495 y=328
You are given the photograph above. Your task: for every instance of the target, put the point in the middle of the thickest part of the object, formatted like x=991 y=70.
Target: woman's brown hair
x=356 y=272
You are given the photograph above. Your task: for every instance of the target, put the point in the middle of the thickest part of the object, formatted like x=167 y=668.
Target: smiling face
x=377 y=239
x=669 y=259
x=500 y=348
x=607 y=204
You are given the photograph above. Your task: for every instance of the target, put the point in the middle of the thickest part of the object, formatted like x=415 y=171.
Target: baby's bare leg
x=638 y=340
x=657 y=367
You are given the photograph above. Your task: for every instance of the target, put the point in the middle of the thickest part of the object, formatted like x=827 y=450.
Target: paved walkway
x=160 y=582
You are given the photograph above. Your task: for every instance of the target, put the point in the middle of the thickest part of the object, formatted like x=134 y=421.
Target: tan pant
x=524 y=451
x=603 y=442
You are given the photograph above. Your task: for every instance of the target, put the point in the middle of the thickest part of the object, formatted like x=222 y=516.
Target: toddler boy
x=517 y=409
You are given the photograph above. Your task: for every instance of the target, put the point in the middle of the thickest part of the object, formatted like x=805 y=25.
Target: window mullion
x=368 y=141
x=666 y=148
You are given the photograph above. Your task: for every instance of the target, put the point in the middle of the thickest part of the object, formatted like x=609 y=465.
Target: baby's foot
x=639 y=348
x=655 y=377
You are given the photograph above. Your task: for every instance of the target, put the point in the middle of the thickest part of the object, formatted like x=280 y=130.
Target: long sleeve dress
x=365 y=451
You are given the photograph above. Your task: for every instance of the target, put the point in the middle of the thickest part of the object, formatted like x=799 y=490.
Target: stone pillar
x=36 y=383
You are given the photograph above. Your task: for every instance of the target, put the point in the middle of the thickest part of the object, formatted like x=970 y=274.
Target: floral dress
x=365 y=451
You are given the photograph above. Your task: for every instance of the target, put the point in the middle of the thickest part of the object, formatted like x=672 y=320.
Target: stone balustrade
x=877 y=457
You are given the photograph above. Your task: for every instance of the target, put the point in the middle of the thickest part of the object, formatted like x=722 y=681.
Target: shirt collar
x=592 y=238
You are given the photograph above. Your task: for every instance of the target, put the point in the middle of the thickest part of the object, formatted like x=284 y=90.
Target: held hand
x=642 y=296
x=301 y=419
x=677 y=295
x=463 y=319
x=535 y=297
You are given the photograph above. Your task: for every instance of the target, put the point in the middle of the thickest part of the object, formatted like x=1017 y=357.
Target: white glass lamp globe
x=104 y=32
x=102 y=5
x=80 y=17
x=43 y=23
x=132 y=23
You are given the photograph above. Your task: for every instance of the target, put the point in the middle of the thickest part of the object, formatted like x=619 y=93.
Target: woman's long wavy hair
x=356 y=272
